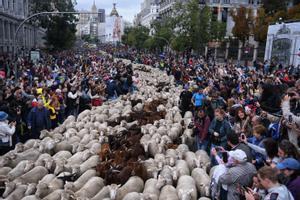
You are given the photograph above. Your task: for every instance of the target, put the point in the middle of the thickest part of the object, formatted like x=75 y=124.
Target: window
x=227 y=1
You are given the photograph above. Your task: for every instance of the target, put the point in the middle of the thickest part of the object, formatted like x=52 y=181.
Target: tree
x=192 y=24
x=60 y=29
x=243 y=19
x=261 y=25
x=136 y=36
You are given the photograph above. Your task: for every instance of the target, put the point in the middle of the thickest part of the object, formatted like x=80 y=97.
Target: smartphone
x=290 y=119
x=243 y=136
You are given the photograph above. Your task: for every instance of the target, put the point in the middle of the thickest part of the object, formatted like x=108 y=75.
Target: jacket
x=39 y=118
x=224 y=130
x=6 y=132
x=202 y=126
x=239 y=175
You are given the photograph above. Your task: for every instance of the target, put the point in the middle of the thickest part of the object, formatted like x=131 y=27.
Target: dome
x=114 y=11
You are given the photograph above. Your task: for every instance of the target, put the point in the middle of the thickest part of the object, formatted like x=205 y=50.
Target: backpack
x=274 y=131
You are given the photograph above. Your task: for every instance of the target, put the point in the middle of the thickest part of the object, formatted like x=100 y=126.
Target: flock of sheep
x=66 y=163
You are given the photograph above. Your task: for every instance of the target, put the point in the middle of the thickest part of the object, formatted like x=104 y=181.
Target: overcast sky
x=126 y=8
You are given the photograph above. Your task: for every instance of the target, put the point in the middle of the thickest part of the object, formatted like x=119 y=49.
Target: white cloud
x=126 y=8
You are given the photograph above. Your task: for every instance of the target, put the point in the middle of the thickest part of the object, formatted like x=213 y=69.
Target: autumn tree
x=243 y=26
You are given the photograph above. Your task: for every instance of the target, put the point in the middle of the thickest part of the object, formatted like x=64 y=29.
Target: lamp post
x=35 y=15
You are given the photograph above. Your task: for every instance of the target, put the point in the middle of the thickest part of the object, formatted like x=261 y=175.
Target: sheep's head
x=41 y=189
x=9 y=187
x=48 y=163
x=29 y=165
x=174 y=173
x=146 y=146
x=161 y=181
x=10 y=156
x=69 y=187
x=19 y=148
x=31 y=189
x=113 y=188
x=185 y=194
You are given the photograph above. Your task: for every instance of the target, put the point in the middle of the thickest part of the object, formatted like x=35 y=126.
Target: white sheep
x=181 y=168
x=102 y=194
x=168 y=192
x=89 y=163
x=151 y=190
x=186 y=188
x=134 y=184
x=30 y=197
x=31 y=189
x=44 y=189
x=90 y=189
x=204 y=159
x=32 y=176
x=23 y=167
x=202 y=181
x=57 y=194
x=4 y=171
x=79 y=183
x=191 y=160
x=181 y=149
x=160 y=159
x=18 y=193
x=133 y=196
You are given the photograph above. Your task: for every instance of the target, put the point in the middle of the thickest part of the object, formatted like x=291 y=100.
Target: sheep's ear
x=118 y=186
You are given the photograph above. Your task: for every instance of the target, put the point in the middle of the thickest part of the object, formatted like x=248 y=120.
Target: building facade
x=106 y=28
x=12 y=13
x=149 y=12
x=283 y=44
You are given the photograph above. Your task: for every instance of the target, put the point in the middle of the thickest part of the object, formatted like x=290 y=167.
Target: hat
x=58 y=91
x=3 y=116
x=289 y=163
x=238 y=155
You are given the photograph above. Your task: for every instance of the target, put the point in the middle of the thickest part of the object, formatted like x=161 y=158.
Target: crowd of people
x=246 y=117
x=59 y=85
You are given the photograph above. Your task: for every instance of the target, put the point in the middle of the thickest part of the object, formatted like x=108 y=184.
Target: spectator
x=269 y=151
x=287 y=150
x=293 y=121
x=38 y=120
x=6 y=132
x=267 y=177
x=198 y=98
x=73 y=101
x=185 y=100
x=201 y=122
x=290 y=169
x=257 y=139
x=239 y=175
x=242 y=124
x=233 y=143
x=219 y=128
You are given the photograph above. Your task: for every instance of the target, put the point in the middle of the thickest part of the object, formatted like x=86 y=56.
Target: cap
x=3 y=116
x=289 y=163
x=238 y=155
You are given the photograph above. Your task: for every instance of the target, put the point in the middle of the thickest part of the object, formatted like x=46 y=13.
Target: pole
x=35 y=15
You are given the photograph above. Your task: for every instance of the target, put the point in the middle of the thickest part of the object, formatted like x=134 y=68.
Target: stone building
x=12 y=13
